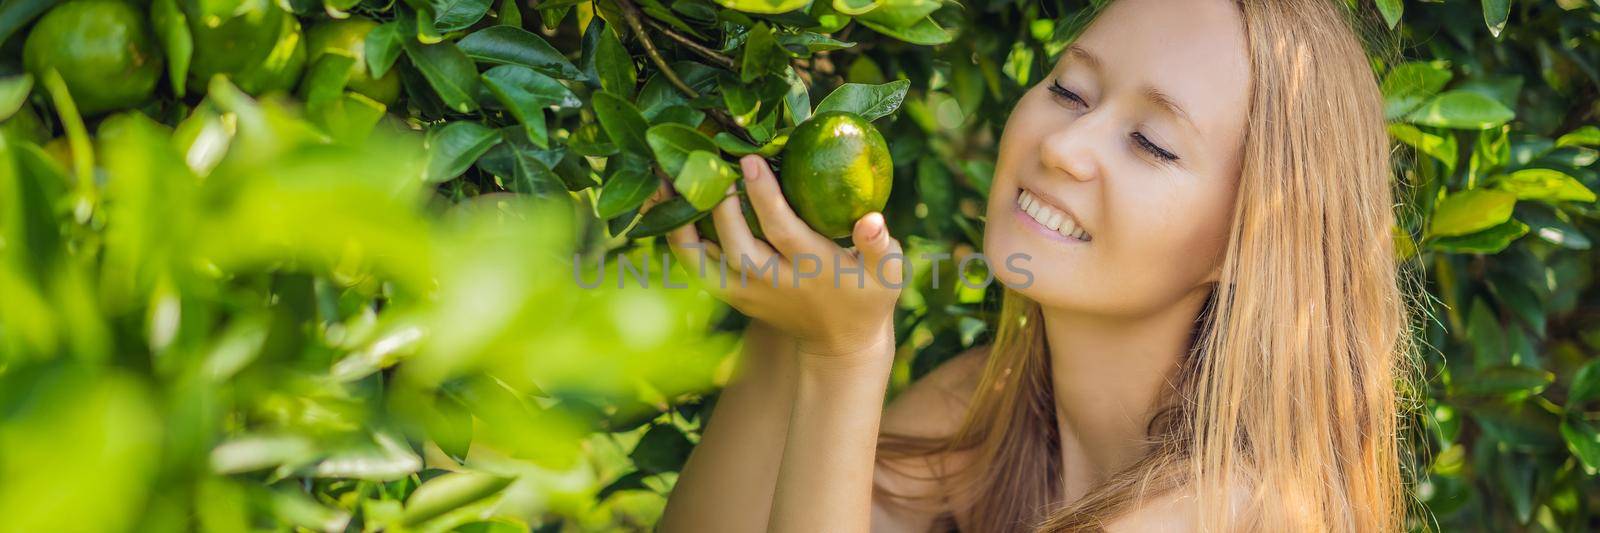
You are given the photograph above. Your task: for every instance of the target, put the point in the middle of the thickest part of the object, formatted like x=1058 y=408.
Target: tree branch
x=630 y=13
x=693 y=45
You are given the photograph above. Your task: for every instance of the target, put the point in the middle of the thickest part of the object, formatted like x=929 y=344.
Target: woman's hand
x=837 y=303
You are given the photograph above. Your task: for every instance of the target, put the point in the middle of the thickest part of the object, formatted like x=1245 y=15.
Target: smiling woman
x=1223 y=349
x=1210 y=337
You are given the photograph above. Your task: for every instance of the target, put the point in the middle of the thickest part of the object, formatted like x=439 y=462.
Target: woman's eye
x=1144 y=143
x=1152 y=148
x=1063 y=92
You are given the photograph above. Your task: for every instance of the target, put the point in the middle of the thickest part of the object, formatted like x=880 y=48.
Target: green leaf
x=516 y=46
x=621 y=121
x=614 y=65
x=870 y=101
x=1585 y=136
x=664 y=217
x=1391 y=10
x=662 y=449
x=762 y=55
x=631 y=481
x=1494 y=15
x=448 y=70
x=1461 y=110
x=526 y=93
x=1407 y=85
x=509 y=14
x=1584 y=442
x=177 y=44
x=349 y=117
x=453 y=148
x=900 y=13
x=1552 y=228
x=1471 y=211
x=630 y=184
x=741 y=100
x=455 y=15
x=733 y=145
x=924 y=32
x=1513 y=381
x=1440 y=147
x=382 y=48
x=1503 y=89
x=448 y=492
x=1585 y=385
x=1544 y=184
x=590 y=140
x=764 y=7
x=536 y=88
x=672 y=143
x=807 y=43
x=326 y=79
x=798 y=99
x=704 y=179
x=679 y=114
x=419 y=22
x=14 y=92
x=14 y=14
x=1488 y=241
x=854 y=7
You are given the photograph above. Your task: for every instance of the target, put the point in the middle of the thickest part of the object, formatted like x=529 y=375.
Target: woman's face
x=1134 y=140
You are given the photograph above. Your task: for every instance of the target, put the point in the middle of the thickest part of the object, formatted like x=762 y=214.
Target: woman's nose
x=1074 y=148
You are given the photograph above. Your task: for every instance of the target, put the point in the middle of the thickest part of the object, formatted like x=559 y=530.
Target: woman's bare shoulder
x=935 y=405
x=1179 y=510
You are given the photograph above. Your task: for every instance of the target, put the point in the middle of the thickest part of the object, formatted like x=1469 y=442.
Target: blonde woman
x=1208 y=334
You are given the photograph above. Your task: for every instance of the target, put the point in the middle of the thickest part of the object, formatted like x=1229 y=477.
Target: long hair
x=1287 y=408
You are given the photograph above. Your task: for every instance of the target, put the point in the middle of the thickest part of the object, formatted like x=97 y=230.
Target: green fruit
x=350 y=37
x=25 y=126
x=836 y=169
x=102 y=50
x=260 y=48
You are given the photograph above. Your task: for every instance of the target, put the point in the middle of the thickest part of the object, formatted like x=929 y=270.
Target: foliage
x=238 y=307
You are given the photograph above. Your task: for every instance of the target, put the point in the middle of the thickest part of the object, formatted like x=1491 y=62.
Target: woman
x=1211 y=337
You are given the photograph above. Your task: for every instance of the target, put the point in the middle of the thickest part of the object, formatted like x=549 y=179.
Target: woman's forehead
x=1192 y=51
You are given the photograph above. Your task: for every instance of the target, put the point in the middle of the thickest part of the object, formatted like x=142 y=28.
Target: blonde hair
x=1292 y=392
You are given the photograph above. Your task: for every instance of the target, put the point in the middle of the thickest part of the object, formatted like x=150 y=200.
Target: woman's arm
x=826 y=480
x=843 y=337
x=727 y=484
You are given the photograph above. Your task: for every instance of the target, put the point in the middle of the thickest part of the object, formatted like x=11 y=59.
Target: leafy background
x=309 y=307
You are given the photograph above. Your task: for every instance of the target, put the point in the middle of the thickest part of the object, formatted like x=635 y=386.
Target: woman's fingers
x=790 y=235
x=880 y=253
x=745 y=253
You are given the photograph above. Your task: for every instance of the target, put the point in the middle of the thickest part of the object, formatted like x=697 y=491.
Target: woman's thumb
x=880 y=253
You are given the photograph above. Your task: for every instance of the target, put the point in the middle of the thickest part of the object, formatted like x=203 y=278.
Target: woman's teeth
x=1050 y=217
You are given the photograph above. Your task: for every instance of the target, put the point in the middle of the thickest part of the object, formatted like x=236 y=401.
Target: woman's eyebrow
x=1160 y=99
x=1154 y=95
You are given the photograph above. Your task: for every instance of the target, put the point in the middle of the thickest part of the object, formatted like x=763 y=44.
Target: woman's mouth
x=1050 y=218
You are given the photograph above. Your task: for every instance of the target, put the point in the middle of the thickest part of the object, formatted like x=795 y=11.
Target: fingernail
x=878 y=225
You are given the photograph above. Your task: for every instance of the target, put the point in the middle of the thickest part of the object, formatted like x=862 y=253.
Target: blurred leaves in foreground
x=244 y=322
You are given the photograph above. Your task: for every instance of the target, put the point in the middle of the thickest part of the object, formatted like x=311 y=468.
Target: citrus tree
x=359 y=265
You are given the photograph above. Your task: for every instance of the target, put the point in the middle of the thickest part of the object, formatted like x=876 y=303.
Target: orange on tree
x=103 y=50
x=349 y=36
x=259 y=47
x=836 y=169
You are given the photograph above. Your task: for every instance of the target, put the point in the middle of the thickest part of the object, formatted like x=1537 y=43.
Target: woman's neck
x=1109 y=376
